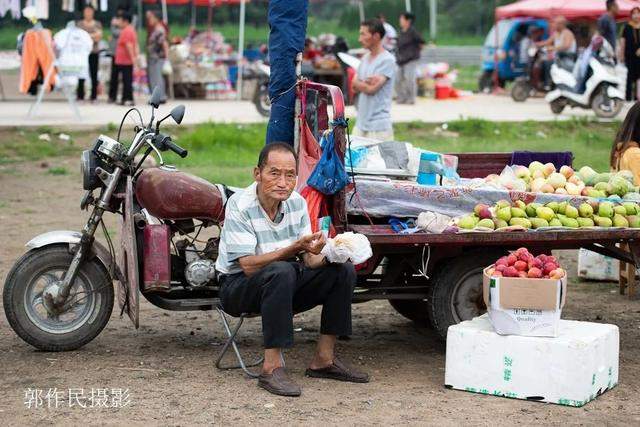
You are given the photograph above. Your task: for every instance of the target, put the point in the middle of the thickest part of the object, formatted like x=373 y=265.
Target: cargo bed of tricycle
x=436 y=279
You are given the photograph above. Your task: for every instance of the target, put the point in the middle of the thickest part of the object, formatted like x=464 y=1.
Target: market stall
x=204 y=64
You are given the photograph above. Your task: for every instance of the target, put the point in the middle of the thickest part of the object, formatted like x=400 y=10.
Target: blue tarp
x=288 y=29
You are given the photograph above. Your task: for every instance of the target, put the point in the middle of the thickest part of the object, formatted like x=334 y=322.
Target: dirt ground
x=168 y=364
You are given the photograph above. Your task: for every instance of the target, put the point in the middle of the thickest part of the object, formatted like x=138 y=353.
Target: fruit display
x=554 y=214
x=544 y=178
x=523 y=264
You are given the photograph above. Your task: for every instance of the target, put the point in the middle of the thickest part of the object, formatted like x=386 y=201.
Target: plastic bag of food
x=348 y=246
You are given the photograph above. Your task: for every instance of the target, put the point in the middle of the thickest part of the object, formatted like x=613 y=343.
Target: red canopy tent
x=570 y=9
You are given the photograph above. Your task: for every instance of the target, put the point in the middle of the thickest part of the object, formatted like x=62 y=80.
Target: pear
x=571 y=212
x=562 y=207
x=585 y=210
x=620 y=221
x=585 y=222
x=553 y=205
x=503 y=204
x=634 y=221
x=500 y=223
x=606 y=210
x=545 y=213
x=620 y=210
x=518 y=213
x=602 y=221
x=630 y=208
x=523 y=222
x=486 y=223
x=520 y=204
x=504 y=213
x=555 y=222
x=538 y=222
x=569 y=222
x=531 y=209
x=467 y=222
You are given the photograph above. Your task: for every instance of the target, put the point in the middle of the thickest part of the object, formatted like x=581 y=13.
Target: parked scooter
x=261 y=97
x=592 y=84
x=59 y=295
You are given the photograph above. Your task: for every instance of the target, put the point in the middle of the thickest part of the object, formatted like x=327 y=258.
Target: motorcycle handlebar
x=164 y=143
x=176 y=149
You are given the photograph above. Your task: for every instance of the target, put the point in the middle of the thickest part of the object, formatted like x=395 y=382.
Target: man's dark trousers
x=283 y=288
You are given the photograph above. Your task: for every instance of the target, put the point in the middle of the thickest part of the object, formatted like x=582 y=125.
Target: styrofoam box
x=593 y=266
x=571 y=369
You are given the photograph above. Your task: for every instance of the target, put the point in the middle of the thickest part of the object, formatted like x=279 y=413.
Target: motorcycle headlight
x=88 y=165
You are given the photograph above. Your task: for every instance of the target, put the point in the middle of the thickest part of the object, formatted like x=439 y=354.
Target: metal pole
x=361 y=9
x=193 y=13
x=407 y=5
x=433 y=13
x=139 y=18
x=165 y=18
x=240 y=50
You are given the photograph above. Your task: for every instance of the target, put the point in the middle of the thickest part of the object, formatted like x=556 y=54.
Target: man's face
x=87 y=13
x=366 y=39
x=614 y=8
x=277 y=179
x=404 y=23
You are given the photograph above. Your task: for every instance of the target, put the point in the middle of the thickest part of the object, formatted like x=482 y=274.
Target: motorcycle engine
x=200 y=272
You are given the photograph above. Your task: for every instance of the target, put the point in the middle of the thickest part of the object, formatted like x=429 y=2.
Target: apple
x=511 y=259
x=520 y=265
x=534 y=273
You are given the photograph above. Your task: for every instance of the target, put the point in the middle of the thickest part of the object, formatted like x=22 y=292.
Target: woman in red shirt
x=126 y=57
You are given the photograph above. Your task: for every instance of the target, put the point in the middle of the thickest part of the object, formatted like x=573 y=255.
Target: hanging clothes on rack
x=12 y=6
x=37 y=58
x=74 y=46
x=69 y=5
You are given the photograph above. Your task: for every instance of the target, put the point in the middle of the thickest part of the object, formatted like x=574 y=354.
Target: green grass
x=467 y=77
x=227 y=152
x=58 y=170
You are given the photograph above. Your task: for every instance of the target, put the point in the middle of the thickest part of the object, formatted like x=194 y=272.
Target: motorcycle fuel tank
x=168 y=193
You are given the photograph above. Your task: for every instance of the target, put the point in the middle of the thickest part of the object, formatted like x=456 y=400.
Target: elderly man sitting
x=266 y=229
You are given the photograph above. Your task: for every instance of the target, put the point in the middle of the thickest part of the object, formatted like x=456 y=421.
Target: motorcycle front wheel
x=605 y=107
x=557 y=105
x=86 y=312
x=520 y=90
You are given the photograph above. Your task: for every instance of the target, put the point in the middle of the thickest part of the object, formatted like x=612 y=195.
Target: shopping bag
x=329 y=175
x=308 y=156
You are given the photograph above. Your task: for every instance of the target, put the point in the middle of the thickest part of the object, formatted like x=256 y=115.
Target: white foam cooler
x=570 y=369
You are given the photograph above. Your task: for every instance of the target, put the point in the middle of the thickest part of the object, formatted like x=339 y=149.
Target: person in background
x=630 y=50
x=157 y=53
x=94 y=28
x=374 y=84
x=114 y=28
x=607 y=23
x=311 y=53
x=562 y=43
x=410 y=44
x=625 y=152
x=390 y=34
x=126 y=57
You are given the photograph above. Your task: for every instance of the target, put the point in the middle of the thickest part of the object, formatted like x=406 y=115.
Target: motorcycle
x=261 y=97
x=60 y=294
x=599 y=88
x=533 y=81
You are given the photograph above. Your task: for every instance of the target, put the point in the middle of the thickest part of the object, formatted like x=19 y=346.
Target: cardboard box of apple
x=544 y=178
x=506 y=215
x=523 y=264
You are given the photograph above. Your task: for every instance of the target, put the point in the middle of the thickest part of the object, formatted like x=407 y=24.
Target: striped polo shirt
x=248 y=230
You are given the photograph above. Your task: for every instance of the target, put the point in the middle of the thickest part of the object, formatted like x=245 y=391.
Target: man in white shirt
x=391 y=35
x=374 y=84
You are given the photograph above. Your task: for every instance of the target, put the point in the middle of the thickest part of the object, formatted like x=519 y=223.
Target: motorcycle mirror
x=154 y=101
x=177 y=113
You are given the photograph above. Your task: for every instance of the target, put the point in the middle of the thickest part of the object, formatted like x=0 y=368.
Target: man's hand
x=313 y=243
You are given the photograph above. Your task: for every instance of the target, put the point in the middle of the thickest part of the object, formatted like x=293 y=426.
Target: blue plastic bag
x=329 y=175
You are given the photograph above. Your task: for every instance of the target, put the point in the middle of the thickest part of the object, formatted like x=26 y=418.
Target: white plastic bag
x=433 y=222
x=348 y=246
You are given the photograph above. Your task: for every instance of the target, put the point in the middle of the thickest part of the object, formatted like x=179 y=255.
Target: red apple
x=511 y=259
x=501 y=267
x=549 y=267
x=502 y=261
x=520 y=265
x=497 y=274
x=522 y=274
x=534 y=273
x=510 y=272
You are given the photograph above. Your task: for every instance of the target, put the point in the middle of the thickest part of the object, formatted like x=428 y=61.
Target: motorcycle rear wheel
x=557 y=105
x=605 y=107
x=91 y=297
x=262 y=101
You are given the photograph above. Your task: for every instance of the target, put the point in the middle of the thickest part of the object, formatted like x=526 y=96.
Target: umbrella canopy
x=570 y=9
